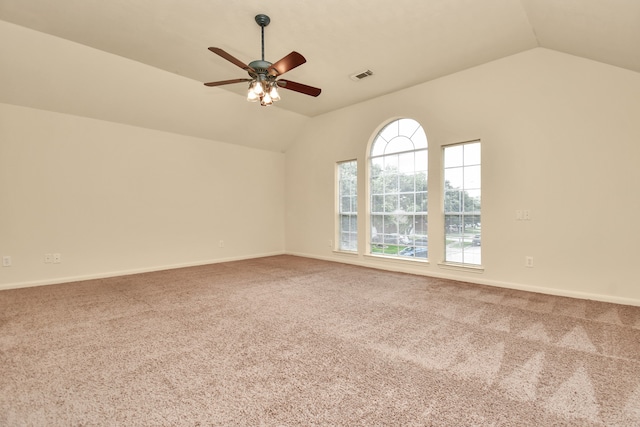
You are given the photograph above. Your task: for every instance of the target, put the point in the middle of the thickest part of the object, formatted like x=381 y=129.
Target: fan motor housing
x=260 y=66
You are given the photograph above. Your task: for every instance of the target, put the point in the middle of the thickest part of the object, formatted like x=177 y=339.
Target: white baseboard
x=389 y=265
x=103 y=275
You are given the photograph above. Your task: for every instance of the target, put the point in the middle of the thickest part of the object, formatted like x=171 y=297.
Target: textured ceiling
x=404 y=42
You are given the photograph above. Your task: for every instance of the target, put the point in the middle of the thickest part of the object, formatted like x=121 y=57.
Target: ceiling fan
x=263 y=81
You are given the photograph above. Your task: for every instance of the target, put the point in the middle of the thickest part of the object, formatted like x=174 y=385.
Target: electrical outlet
x=48 y=258
x=6 y=261
x=528 y=261
x=221 y=244
x=57 y=258
x=518 y=215
x=526 y=215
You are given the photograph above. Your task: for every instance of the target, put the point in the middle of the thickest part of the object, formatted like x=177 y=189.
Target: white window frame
x=404 y=141
x=346 y=207
x=462 y=200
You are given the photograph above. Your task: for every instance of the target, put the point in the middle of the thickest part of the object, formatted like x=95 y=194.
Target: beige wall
x=560 y=137
x=114 y=198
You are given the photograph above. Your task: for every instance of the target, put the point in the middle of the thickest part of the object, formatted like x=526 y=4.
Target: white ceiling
x=404 y=42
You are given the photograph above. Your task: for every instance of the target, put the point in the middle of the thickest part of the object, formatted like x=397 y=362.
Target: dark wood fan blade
x=299 y=87
x=231 y=58
x=227 y=82
x=289 y=62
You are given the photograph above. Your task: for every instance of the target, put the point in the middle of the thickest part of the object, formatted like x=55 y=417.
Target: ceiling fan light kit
x=263 y=81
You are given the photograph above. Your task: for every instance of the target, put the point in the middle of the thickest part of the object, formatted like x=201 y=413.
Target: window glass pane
x=377 y=166
x=344 y=186
x=421 y=181
x=389 y=225
x=471 y=177
x=353 y=223
x=472 y=154
x=453 y=223
x=377 y=148
x=472 y=201
x=377 y=185
x=376 y=227
x=399 y=144
x=390 y=202
x=420 y=226
x=421 y=160
x=452 y=201
x=419 y=139
x=391 y=163
x=406 y=163
x=407 y=183
x=403 y=221
x=473 y=223
x=377 y=203
x=453 y=156
x=391 y=183
x=345 y=223
x=389 y=132
x=345 y=204
x=409 y=226
x=407 y=127
x=407 y=202
x=348 y=241
x=421 y=202
x=453 y=177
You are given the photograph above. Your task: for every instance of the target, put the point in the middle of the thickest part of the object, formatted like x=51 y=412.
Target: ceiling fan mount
x=263 y=81
x=262 y=20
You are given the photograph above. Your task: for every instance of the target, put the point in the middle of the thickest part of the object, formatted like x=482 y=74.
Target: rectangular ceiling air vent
x=361 y=75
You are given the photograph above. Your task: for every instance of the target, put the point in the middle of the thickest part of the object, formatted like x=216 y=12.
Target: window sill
x=338 y=251
x=401 y=259
x=461 y=267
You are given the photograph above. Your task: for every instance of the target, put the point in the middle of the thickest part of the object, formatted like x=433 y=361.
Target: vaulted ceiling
x=404 y=42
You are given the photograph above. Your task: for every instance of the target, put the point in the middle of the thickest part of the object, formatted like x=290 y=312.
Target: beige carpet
x=289 y=341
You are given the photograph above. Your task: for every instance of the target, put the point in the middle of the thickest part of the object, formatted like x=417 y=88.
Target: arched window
x=398 y=164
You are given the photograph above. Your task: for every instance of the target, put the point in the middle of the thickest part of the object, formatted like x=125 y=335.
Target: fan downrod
x=262 y=20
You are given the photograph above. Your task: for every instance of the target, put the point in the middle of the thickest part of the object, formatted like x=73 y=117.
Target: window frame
x=352 y=214
x=462 y=202
x=418 y=218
